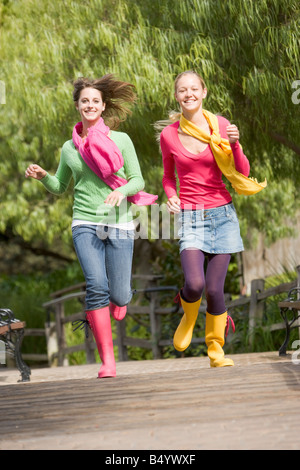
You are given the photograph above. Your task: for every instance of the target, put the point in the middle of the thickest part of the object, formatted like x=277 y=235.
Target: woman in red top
x=209 y=226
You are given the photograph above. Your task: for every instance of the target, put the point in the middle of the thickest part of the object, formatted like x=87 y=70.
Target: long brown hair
x=115 y=94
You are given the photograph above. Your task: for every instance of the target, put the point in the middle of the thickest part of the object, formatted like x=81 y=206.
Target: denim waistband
x=209 y=213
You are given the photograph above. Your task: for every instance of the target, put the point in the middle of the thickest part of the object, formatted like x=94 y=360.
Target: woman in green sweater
x=107 y=179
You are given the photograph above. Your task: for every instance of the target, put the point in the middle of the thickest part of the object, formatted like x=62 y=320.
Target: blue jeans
x=105 y=255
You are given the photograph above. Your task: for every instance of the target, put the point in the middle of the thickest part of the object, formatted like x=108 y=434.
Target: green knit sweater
x=90 y=191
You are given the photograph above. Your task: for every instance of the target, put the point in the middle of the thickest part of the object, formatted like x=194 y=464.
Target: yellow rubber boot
x=183 y=335
x=214 y=339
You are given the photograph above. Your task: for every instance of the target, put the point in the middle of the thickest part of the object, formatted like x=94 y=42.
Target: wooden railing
x=153 y=297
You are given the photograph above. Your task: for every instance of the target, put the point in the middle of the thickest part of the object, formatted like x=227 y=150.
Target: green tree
x=247 y=52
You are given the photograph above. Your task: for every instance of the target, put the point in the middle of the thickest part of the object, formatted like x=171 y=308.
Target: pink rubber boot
x=99 y=321
x=118 y=313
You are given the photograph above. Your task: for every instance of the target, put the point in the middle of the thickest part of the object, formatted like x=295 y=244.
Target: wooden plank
x=35 y=357
x=169 y=342
x=59 y=293
x=145 y=310
x=137 y=342
x=255 y=308
x=61 y=300
x=12 y=326
x=81 y=285
x=280 y=289
x=34 y=332
x=73 y=317
x=166 y=404
x=239 y=302
x=291 y=305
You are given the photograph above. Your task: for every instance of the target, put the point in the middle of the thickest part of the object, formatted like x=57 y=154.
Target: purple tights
x=192 y=262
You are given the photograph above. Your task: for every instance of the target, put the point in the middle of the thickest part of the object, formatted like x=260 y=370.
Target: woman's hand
x=35 y=171
x=173 y=204
x=232 y=133
x=114 y=198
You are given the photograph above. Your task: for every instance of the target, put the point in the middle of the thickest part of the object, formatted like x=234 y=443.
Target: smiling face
x=90 y=105
x=189 y=93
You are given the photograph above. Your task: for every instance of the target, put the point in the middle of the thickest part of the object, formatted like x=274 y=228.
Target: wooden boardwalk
x=171 y=404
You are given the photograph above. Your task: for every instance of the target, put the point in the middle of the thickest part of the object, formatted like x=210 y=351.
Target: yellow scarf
x=223 y=154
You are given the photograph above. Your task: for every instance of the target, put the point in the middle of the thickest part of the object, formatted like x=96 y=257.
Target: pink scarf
x=104 y=158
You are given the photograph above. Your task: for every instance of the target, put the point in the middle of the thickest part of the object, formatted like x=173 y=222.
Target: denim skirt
x=213 y=231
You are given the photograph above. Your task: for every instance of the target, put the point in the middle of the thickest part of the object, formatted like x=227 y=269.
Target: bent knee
x=193 y=290
x=121 y=299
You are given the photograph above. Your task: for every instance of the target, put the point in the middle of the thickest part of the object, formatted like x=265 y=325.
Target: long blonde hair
x=173 y=115
x=189 y=72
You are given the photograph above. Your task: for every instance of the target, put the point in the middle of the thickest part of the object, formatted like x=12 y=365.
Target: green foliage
x=275 y=210
x=248 y=54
